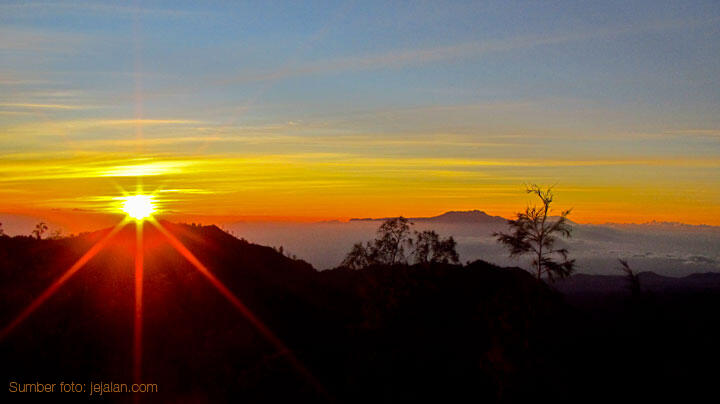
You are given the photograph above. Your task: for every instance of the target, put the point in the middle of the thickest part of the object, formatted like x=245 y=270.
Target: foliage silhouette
x=359 y=256
x=40 y=230
x=416 y=333
x=534 y=233
x=632 y=277
x=394 y=237
x=431 y=249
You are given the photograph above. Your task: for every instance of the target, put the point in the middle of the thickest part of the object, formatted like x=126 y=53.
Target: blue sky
x=518 y=82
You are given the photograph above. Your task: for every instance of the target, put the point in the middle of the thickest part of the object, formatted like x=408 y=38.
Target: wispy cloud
x=38 y=40
x=97 y=8
x=15 y=167
x=460 y=163
x=25 y=105
x=696 y=132
x=133 y=122
x=405 y=57
x=260 y=138
x=68 y=127
x=6 y=81
x=15 y=113
x=45 y=166
x=151 y=168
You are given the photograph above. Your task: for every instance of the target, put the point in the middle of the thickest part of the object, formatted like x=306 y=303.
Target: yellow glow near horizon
x=138 y=207
x=325 y=186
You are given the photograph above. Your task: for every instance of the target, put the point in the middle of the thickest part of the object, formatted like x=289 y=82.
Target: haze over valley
x=665 y=248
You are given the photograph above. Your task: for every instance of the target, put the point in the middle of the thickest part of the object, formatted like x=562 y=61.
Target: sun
x=138 y=207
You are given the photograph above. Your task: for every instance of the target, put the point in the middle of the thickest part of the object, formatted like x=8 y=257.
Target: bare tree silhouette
x=534 y=233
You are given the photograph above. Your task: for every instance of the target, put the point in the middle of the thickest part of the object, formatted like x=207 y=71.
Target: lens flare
x=138 y=207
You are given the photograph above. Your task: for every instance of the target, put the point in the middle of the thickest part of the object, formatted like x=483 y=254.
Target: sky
x=308 y=111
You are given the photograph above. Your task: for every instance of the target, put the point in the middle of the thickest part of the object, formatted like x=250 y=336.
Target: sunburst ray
x=47 y=293
x=240 y=306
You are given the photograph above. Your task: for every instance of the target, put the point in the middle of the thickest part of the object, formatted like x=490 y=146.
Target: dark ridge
x=403 y=333
x=650 y=282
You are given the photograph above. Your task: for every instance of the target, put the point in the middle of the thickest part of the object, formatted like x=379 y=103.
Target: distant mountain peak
x=463 y=213
x=453 y=216
x=465 y=216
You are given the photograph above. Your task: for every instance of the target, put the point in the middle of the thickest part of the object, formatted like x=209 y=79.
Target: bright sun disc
x=138 y=206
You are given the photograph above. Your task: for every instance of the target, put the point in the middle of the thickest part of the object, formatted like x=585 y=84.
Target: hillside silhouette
x=400 y=333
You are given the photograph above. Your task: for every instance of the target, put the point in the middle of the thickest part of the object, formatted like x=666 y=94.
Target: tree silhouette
x=389 y=247
x=632 y=278
x=358 y=257
x=40 y=229
x=393 y=236
x=534 y=233
x=430 y=248
x=2 y=232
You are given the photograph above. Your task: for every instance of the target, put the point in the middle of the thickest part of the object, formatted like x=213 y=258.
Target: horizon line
x=51 y=217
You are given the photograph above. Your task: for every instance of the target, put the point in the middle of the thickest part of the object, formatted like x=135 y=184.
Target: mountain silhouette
x=451 y=217
x=420 y=333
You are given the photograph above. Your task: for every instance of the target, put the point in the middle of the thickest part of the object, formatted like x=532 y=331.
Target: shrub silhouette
x=534 y=233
